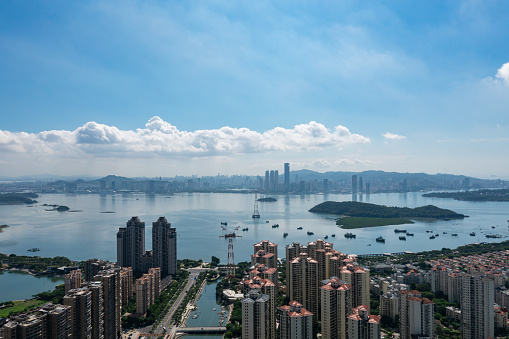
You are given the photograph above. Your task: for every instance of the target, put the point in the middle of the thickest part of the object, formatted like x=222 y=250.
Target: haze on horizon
x=183 y=88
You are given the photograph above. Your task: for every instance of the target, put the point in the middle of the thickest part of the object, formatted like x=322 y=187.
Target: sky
x=165 y=88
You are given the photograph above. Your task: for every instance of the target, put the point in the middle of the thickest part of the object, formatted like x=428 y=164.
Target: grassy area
x=20 y=306
x=361 y=222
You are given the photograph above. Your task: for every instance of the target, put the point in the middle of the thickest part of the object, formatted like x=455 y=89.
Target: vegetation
x=214 y=261
x=361 y=209
x=56 y=296
x=479 y=195
x=17 y=198
x=188 y=263
x=268 y=199
x=33 y=263
x=361 y=222
x=10 y=308
x=234 y=327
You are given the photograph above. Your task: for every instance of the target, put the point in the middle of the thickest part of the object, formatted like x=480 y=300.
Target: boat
x=326 y=237
x=267 y=221
x=492 y=226
x=310 y=233
x=34 y=249
x=399 y=231
x=380 y=239
x=194 y=316
x=454 y=234
x=350 y=235
x=493 y=236
x=402 y=237
x=333 y=235
x=444 y=232
x=245 y=229
x=432 y=237
x=368 y=244
x=299 y=228
x=285 y=235
x=409 y=234
x=224 y=223
x=275 y=226
x=436 y=235
x=214 y=309
x=472 y=234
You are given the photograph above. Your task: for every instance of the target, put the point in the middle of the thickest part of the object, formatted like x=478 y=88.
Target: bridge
x=202 y=330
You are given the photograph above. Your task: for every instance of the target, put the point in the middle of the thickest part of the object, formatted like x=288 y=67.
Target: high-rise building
x=148 y=288
x=97 y=313
x=72 y=280
x=276 y=181
x=80 y=301
x=302 y=282
x=354 y=184
x=416 y=316
x=111 y=301
x=267 y=287
x=477 y=312
x=131 y=248
x=362 y=325
x=266 y=183
x=256 y=316
x=295 y=322
x=265 y=252
x=272 y=184
x=131 y=244
x=361 y=185
x=334 y=308
x=287 y=177
x=164 y=246
x=358 y=278
x=126 y=282
x=93 y=266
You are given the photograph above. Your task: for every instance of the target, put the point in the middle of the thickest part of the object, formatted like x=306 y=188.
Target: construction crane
x=230 y=266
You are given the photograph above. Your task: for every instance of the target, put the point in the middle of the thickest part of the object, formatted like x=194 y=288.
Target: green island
x=2 y=227
x=359 y=214
x=479 y=195
x=17 y=198
x=361 y=222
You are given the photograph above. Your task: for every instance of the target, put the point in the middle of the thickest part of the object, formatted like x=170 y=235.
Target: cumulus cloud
x=392 y=136
x=503 y=73
x=162 y=138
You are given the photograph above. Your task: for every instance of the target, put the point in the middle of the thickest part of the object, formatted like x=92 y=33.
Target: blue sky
x=200 y=87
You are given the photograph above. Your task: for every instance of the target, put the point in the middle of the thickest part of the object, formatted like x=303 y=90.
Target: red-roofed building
x=362 y=325
x=295 y=322
x=335 y=306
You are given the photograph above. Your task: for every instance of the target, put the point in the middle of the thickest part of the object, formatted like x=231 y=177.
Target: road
x=165 y=323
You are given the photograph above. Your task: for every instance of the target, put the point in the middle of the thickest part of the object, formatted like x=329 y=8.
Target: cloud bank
x=503 y=73
x=161 y=138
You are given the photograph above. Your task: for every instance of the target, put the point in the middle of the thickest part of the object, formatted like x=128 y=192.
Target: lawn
x=361 y=222
x=20 y=306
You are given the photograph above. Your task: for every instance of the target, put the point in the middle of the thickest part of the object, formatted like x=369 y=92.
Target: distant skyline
x=182 y=88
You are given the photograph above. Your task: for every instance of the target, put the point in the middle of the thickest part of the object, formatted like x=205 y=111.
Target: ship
x=299 y=228
x=454 y=234
x=350 y=235
x=409 y=234
x=285 y=235
x=275 y=226
x=310 y=233
x=432 y=237
x=333 y=235
x=380 y=239
x=224 y=223
x=399 y=231
x=472 y=234
x=245 y=229
x=402 y=237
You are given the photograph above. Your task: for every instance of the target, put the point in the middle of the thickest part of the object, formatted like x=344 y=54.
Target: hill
x=360 y=209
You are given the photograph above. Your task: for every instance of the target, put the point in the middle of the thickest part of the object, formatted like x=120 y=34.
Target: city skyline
x=165 y=89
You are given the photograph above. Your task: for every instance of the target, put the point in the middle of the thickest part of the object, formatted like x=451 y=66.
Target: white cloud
x=161 y=138
x=503 y=73
x=392 y=136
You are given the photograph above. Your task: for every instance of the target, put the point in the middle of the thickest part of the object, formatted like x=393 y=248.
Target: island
x=268 y=199
x=17 y=198
x=358 y=214
x=479 y=195
x=2 y=227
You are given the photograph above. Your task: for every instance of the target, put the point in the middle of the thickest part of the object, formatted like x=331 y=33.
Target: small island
x=358 y=215
x=2 y=227
x=17 y=198
x=267 y=199
x=479 y=195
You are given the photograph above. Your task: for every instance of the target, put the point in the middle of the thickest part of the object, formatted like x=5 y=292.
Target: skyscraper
x=164 y=246
x=287 y=177
x=131 y=244
x=361 y=185
x=362 y=325
x=80 y=301
x=266 y=183
x=477 y=312
x=256 y=316
x=295 y=322
x=110 y=280
x=354 y=184
x=334 y=308
x=416 y=316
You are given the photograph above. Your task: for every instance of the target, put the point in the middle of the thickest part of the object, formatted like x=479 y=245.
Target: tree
x=214 y=261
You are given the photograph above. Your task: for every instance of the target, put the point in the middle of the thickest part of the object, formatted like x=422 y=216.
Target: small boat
x=224 y=223
x=214 y=309
x=492 y=226
x=399 y=231
x=432 y=237
x=245 y=229
x=310 y=233
x=299 y=228
x=472 y=234
x=493 y=236
x=267 y=221
x=444 y=232
x=275 y=226
x=380 y=239
x=409 y=234
x=369 y=245
x=436 y=235
x=195 y=316
x=333 y=235
x=285 y=235
x=350 y=235
x=454 y=234
x=34 y=249
x=326 y=237
x=402 y=237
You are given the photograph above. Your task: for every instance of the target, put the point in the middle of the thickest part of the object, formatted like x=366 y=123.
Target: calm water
x=197 y=217
x=207 y=312
x=19 y=285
